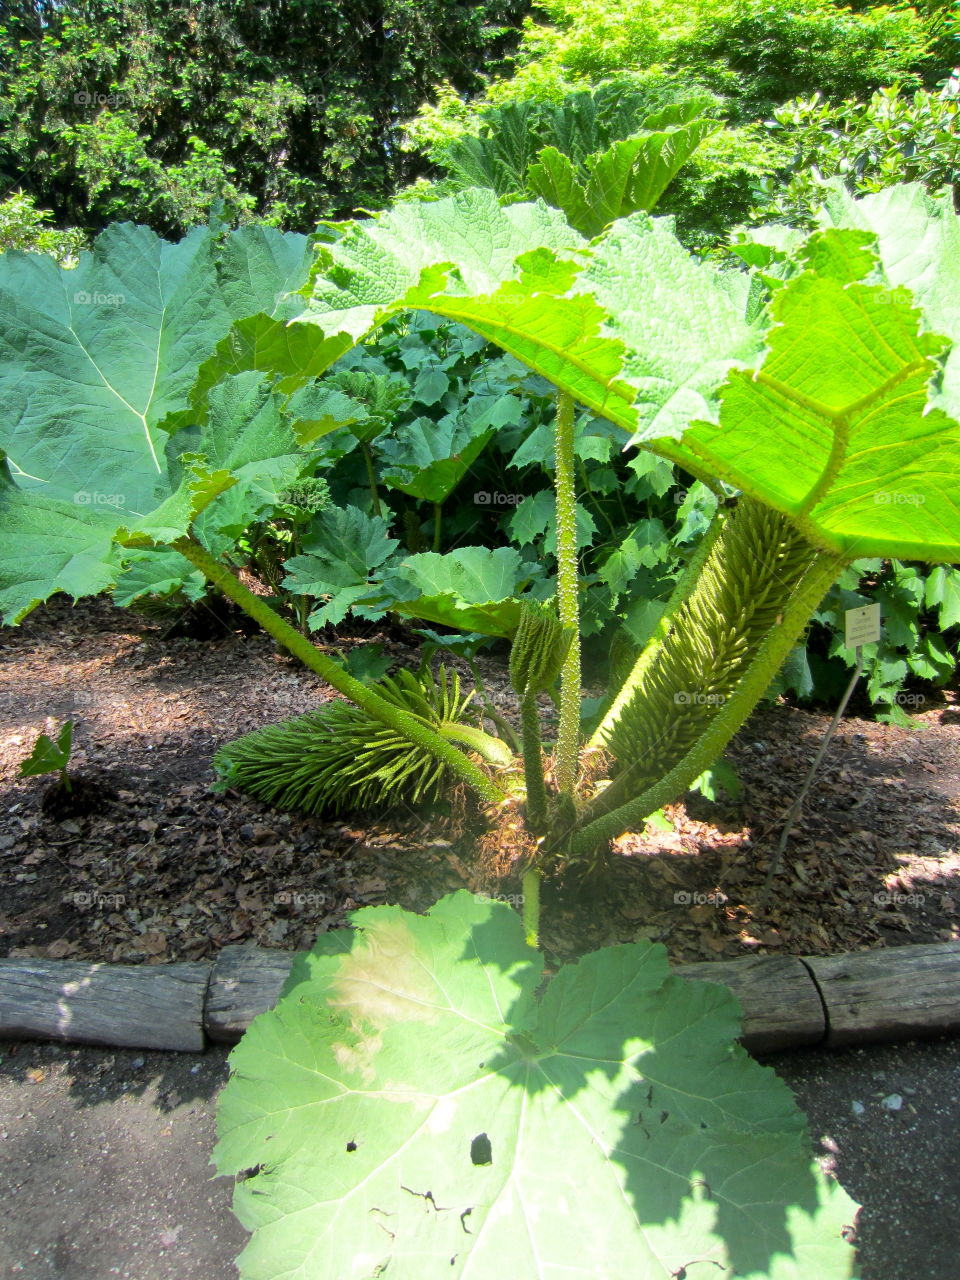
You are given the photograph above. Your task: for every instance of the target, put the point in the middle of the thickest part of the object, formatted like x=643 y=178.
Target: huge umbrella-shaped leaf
x=411 y=1109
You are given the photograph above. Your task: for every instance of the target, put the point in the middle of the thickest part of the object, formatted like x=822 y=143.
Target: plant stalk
x=371 y=476
x=536 y=815
x=361 y=694
x=530 y=887
x=568 y=608
x=604 y=819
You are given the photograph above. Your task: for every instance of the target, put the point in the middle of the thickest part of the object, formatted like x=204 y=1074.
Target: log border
x=859 y=997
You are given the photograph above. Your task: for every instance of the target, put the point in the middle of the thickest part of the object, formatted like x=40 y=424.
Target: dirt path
x=104 y=1160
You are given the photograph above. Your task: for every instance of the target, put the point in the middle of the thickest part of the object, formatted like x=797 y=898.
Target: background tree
x=288 y=111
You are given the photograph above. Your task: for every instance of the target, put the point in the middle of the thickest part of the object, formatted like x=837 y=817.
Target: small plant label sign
x=862 y=626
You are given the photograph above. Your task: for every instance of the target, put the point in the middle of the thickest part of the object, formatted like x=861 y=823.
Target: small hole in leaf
x=480 y=1150
x=663 y=1116
x=246 y=1174
x=351 y=1146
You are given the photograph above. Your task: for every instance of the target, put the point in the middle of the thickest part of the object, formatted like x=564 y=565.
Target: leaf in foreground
x=410 y=1109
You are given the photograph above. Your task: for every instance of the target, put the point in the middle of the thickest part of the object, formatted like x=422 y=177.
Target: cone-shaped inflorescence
x=537 y=655
x=753 y=570
x=339 y=757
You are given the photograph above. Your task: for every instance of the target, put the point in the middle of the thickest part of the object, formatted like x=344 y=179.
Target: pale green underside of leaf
x=645 y=336
x=628 y=1137
x=918 y=243
x=541 y=311
x=835 y=429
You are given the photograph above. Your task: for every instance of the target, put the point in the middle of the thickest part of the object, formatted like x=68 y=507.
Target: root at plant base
x=506 y=849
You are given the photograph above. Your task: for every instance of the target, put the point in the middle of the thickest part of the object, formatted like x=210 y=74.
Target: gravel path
x=104 y=1159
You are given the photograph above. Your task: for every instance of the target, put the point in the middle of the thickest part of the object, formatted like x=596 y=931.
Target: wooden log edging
x=896 y=993
x=135 y=1006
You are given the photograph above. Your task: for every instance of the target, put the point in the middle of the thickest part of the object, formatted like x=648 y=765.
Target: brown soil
x=153 y=866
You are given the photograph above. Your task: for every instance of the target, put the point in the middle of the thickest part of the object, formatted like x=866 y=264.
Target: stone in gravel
x=892 y=1102
x=857 y=1108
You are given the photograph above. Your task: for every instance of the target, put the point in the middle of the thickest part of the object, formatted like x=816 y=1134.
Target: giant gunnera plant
x=418 y=1105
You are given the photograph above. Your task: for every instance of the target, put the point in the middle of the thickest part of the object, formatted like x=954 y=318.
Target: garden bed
x=162 y=869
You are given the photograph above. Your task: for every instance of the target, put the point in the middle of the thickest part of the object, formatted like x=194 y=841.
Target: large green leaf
x=48 y=545
x=342 y=549
x=471 y=589
x=836 y=425
x=523 y=281
x=93 y=360
x=611 y=1129
x=263 y=343
x=918 y=243
x=835 y=429
x=428 y=459
x=159 y=574
x=628 y=177
x=248 y=435
x=261 y=269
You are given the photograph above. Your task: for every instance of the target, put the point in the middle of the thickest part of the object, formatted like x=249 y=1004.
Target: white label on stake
x=862 y=626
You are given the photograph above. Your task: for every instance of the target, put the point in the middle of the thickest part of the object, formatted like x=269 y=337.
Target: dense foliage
x=752 y=56
x=290 y=111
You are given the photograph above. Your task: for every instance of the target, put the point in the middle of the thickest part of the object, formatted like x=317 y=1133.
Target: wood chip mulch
x=161 y=868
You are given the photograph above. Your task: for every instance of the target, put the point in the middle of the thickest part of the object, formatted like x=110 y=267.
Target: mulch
x=152 y=866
